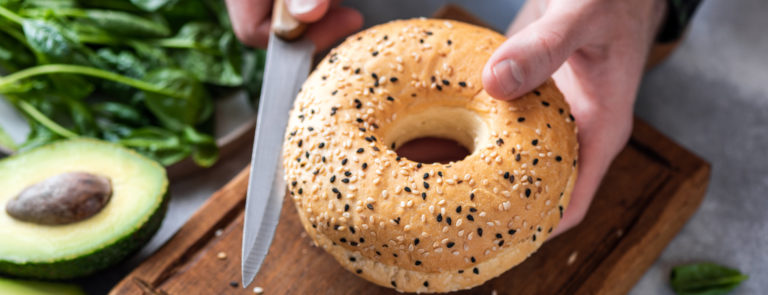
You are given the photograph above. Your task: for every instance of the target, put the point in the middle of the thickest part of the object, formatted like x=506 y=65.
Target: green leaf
x=190 y=104
x=120 y=112
x=57 y=44
x=159 y=144
x=6 y=141
x=125 y=24
x=704 y=279
x=205 y=152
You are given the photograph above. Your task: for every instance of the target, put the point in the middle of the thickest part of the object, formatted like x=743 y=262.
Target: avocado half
x=130 y=218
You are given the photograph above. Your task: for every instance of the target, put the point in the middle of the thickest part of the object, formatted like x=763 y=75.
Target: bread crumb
x=258 y=290
x=572 y=258
x=221 y=256
x=219 y=232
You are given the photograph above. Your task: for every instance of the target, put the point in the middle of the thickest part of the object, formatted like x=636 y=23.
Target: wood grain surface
x=650 y=191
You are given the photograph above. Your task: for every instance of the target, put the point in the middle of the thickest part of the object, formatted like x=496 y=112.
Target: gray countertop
x=711 y=96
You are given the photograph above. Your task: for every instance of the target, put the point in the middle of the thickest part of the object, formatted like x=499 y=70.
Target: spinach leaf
x=14 y=55
x=151 y=5
x=188 y=106
x=204 y=149
x=54 y=4
x=57 y=44
x=124 y=24
x=6 y=141
x=120 y=112
x=704 y=279
x=162 y=145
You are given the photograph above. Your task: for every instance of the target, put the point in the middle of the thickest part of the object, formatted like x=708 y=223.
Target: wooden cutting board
x=652 y=188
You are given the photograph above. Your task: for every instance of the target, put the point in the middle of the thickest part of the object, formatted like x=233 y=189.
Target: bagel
x=426 y=227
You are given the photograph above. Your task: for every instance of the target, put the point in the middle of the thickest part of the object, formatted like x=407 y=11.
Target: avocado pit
x=61 y=199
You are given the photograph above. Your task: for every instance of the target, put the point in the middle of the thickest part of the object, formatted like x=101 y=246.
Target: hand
x=595 y=50
x=329 y=22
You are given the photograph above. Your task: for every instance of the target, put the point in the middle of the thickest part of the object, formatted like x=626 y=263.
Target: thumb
x=528 y=58
x=307 y=11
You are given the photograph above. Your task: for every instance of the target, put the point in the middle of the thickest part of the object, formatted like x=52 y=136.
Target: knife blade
x=287 y=67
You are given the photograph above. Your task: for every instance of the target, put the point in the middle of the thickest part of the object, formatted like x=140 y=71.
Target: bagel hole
x=436 y=134
x=433 y=150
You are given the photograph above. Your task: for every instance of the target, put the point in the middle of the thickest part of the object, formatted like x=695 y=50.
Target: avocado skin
x=97 y=260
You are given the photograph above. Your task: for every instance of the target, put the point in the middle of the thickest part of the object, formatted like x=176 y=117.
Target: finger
x=530 y=12
x=308 y=11
x=529 y=58
x=250 y=20
x=338 y=23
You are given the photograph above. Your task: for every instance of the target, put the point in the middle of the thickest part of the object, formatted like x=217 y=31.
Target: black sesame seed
x=439 y=217
x=347 y=173
x=344 y=161
x=571 y=117
x=506 y=175
x=448 y=220
x=360 y=150
x=558 y=158
x=293 y=183
x=335 y=190
x=521 y=119
x=446 y=82
x=498 y=235
x=560 y=110
x=359 y=120
x=535 y=142
x=426 y=284
x=301 y=190
x=418 y=262
x=472 y=209
x=419 y=165
x=359 y=271
x=393 y=79
x=369 y=206
x=345 y=180
x=439 y=88
x=233 y=284
x=421 y=41
x=375 y=53
x=535 y=161
x=426 y=185
x=361 y=129
x=393 y=284
x=544 y=103
x=549 y=126
x=416 y=241
x=397 y=220
x=461 y=271
x=378 y=253
x=449 y=42
x=373 y=75
x=476 y=271
x=362 y=240
x=390 y=98
x=472 y=196
x=407 y=189
x=321 y=145
x=534 y=238
x=428 y=33
x=357 y=71
x=346 y=208
x=511 y=231
x=538 y=93
x=458 y=209
x=424 y=196
x=426 y=175
x=561 y=211
x=450 y=244
x=470 y=217
x=511 y=178
x=440 y=173
x=499 y=142
x=463 y=84
x=352 y=229
x=364 y=166
x=517 y=157
x=480 y=231
x=353 y=243
x=473 y=259
x=300 y=143
x=334 y=92
x=353 y=259
x=343 y=240
x=527 y=192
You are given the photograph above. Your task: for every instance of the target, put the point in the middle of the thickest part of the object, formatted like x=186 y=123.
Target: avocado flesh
x=22 y=287
x=131 y=217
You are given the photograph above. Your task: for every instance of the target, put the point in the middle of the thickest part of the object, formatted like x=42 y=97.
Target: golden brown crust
x=426 y=227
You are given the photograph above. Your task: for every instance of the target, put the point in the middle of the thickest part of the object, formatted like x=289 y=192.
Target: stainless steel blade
x=287 y=67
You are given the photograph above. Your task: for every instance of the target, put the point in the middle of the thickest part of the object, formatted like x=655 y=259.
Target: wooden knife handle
x=284 y=25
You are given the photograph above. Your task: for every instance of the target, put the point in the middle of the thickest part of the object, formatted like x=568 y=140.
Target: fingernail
x=509 y=75
x=301 y=6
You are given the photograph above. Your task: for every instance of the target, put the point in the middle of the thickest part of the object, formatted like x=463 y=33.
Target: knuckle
x=552 y=43
x=250 y=36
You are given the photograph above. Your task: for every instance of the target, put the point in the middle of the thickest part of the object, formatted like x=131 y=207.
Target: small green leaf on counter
x=705 y=279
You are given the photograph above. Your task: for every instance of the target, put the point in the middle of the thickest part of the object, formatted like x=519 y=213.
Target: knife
x=288 y=61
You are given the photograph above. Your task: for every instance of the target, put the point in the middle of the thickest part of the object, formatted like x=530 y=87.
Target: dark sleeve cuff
x=679 y=14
